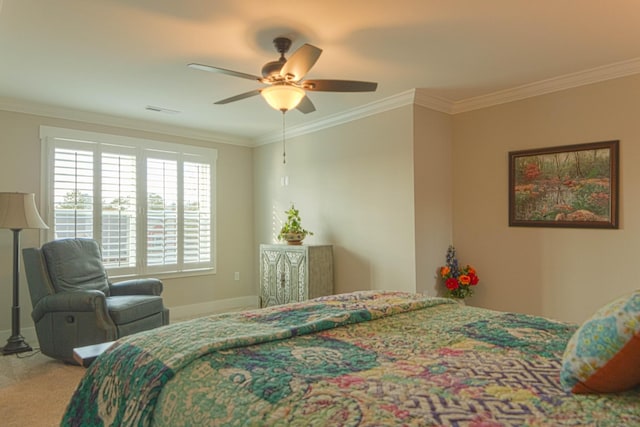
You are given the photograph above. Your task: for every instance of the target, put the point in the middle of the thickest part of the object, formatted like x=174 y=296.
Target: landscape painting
x=566 y=186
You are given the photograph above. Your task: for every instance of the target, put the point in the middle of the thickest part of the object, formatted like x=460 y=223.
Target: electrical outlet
x=236 y=275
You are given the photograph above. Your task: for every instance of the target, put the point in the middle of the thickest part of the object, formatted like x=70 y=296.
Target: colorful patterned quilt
x=360 y=359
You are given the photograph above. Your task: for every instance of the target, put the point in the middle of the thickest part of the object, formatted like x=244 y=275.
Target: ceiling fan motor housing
x=273 y=68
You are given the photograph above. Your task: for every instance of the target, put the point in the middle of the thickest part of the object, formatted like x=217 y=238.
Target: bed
x=358 y=359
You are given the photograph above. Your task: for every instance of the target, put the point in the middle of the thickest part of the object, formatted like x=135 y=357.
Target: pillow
x=603 y=355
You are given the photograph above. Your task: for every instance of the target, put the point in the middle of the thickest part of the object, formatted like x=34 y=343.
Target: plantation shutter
x=119 y=201
x=162 y=212
x=197 y=213
x=149 y=204
x=73 y=193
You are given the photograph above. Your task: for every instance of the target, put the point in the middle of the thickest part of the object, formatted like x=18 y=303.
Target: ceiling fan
x=284 y=76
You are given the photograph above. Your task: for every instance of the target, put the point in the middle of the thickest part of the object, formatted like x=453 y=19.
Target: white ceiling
x=115 y=57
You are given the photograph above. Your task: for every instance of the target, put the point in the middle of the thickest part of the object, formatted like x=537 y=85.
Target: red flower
x=451 y=284
x=474 y=279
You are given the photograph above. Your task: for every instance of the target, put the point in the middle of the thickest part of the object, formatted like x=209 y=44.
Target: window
x=150 y=205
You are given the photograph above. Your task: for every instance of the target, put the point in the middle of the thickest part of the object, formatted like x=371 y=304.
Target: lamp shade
x=18 y=211
x=283 y=97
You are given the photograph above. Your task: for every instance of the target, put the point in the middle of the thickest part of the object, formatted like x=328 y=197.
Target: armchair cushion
x=129 y=308
x=137 y=287
x=75 y=264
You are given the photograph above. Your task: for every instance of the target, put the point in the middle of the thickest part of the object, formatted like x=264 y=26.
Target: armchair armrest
x=137 y=287
x=90 y=300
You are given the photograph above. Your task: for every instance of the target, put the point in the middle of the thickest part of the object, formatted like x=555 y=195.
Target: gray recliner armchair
x=75 y=304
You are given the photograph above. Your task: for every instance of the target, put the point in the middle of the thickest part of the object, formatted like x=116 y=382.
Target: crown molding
x=424 y=99
x=418 y=96
x=19 y=106
x=556 y=84
x=376 y=107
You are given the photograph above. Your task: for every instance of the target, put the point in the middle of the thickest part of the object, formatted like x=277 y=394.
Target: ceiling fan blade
x=239 y=97
x=300 y=62
x=339 y=85
x=211 y=69
x=306 y=106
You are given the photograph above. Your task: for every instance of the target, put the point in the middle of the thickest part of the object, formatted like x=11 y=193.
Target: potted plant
x=292 y=230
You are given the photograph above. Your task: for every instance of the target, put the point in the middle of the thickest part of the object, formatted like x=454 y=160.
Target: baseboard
x=177 y=314
x=184 y=312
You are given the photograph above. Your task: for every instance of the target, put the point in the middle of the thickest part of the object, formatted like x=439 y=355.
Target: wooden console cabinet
x=291 y=273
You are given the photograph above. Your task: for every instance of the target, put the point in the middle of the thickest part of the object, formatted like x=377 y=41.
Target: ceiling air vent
x=161 y=110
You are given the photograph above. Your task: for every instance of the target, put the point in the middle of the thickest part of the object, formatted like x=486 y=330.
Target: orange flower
x=444 y=271
x=471 y=270
x=464 y=279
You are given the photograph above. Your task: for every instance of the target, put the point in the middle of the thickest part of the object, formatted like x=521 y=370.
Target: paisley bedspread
x=360 y=359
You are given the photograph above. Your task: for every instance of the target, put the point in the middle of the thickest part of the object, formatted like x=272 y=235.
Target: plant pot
x=294 y=238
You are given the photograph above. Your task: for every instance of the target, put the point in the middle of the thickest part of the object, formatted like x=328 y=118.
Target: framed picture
x=567 y=186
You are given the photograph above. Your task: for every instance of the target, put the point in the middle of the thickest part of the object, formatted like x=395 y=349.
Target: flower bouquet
x=459 y=281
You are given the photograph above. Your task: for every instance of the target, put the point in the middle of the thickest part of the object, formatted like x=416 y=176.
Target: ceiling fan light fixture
x=285 y=82
x=283 y=97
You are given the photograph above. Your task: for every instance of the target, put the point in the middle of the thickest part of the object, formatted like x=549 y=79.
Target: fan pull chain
x=284 y=148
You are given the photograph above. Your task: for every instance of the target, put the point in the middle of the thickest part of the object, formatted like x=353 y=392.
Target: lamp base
x=15 y=344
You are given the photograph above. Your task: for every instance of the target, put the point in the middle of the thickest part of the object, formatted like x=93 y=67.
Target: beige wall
x=390 y=192
x=458 y=193
x=557 y=272
x=353 y=184
x=433 y=198
x=20 y=171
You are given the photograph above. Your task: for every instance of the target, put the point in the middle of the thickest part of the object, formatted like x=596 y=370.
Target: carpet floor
x=35 y=390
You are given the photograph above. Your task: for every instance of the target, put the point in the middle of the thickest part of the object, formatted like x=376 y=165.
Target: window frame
x=53 y=137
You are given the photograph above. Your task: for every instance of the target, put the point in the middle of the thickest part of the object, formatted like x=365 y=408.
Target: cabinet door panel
x=271 y=262
x=295 y=273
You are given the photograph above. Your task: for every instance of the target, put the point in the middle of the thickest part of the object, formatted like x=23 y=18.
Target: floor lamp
x=17 y=212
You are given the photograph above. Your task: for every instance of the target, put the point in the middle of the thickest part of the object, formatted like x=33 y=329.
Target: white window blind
x=119 y=207
x=73 y=193
x=150 y=205
x=162 y=212
x=197 y=215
